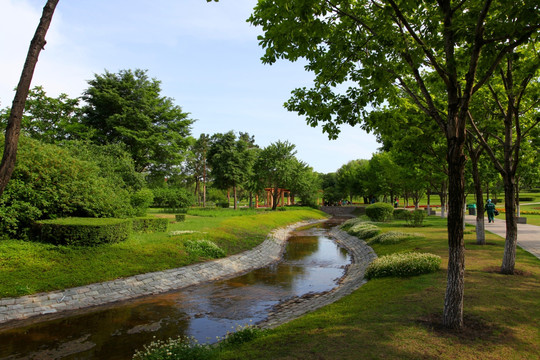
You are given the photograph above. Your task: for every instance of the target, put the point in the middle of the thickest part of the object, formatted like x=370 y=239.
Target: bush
x=391 y=237
x=180 y=217
x=354 y=221
x=48 y=183
x=149 y=224
x=141 y=201
x=204 y=248
x=416 y=218
x=402 y=214
x=82 y=231
x=183 y=347
x=403 y=264
x=172 y=198
x=380 y=211
x=364 y=230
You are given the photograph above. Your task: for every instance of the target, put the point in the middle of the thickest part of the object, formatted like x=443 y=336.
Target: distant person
x=396 y=202
x=490 y=208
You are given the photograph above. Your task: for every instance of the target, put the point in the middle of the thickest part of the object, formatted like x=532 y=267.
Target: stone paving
x=83 y=297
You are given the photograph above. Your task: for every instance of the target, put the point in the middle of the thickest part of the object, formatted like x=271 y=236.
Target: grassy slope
x=399 y=318
x=27 y=267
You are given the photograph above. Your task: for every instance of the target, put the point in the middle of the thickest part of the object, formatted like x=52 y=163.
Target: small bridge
x=339 y=210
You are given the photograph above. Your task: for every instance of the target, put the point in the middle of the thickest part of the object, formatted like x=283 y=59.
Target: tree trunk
x=275 y=197
x=235 y=198
x=480 y=226
x=13 y=128
x=453 y=302
x=204 y=184
x=442 y=196
x=509 y=257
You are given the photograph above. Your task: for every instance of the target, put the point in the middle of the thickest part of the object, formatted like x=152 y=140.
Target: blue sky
x=205 y=54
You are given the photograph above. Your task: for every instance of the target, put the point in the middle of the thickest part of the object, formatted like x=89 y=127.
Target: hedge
x=403 y=264
x=380 y=211
x=82 y=231
x=149 y=224
x=391 y=237
x=364 y=231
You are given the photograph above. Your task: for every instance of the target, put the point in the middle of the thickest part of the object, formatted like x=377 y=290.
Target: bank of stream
x=312 y=263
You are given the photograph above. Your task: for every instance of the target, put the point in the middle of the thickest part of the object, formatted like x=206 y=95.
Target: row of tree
x=464 y=68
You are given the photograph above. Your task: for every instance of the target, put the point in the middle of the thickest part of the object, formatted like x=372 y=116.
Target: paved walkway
x=54 y=304
x=528 y=235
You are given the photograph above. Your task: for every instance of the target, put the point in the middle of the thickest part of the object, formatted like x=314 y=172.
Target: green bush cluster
x=204 y=248
x=180 y=217
x=149 y=224
x=401 y=214
x=391 y=237
x=141 y=201
x=82 y=231
x=364 y=231
x=49 y=182
x=380 y=211
x=403 y=264
x=416 y=218
x=172 y=198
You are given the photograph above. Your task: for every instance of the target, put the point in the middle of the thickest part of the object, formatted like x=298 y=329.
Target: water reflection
x=311 y=263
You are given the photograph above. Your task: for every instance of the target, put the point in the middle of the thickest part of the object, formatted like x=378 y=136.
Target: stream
x=311 y=263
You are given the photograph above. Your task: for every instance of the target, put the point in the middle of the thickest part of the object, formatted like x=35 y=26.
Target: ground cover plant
x=400 y=318
x=30 y=267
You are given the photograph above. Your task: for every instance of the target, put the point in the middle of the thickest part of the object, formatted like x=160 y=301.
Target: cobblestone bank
x=146 y=284
x=293 y=308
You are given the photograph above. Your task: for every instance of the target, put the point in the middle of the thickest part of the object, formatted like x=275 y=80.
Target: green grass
x=28 y=267
x=399 y=318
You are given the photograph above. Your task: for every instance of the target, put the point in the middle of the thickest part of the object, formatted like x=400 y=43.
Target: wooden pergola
x=270 y=199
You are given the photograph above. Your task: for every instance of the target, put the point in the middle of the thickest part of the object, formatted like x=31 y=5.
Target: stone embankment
x=361 y=255
x=57 y=303
x=339 y=210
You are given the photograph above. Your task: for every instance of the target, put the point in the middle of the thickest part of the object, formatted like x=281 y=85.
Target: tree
x=128 y=108
x=351 y=178
x=275 y=168
x=48 y=119
x=197 y=165
x=229 y=159
x=517 y=114
x=13 y=128
x=385 y=48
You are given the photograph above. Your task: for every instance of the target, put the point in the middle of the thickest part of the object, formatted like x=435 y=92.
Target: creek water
x=311 y=263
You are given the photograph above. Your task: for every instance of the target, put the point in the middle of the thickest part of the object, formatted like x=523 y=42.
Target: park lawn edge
x=29 y=267
x=400 y=318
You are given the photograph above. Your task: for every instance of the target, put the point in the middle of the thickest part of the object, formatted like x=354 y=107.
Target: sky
x=206 y=56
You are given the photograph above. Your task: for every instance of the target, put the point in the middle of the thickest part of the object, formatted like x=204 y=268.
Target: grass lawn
x=29 y=267
x=400 y=318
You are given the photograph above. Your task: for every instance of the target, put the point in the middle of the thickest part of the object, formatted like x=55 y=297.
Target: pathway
x=55 y=304
x=528 y=235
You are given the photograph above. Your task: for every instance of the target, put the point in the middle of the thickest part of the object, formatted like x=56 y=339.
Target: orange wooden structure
x=270 y=199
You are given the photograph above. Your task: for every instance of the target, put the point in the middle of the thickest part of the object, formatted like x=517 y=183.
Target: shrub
x=354 y=221
x=180 y=217
x=416 y=218
x=391 y=237
x=185 y=348
x=149 y=224
x=402 y=214
x=364 y=230
x=380 y=211
x=403 y=264
x=204 y=248
x=82 y=231
x=141 y=201
x=48 y=182
x=241 y=335
x=172 y=198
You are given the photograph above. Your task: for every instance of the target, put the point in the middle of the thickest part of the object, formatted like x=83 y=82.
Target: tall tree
x=197 y=165
x=229 y=159
x=48 y=119
x=13 y=128
x=276 y=167
x=517 y=114
x=128 y=108
x=387 y=46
